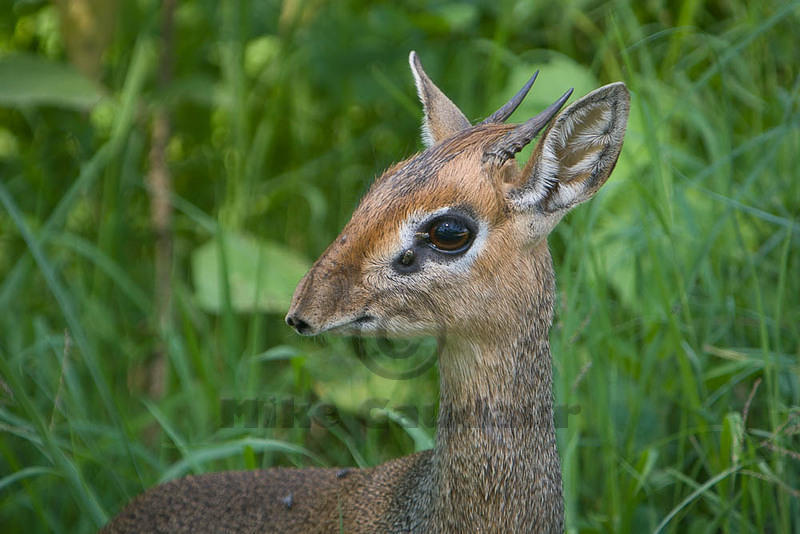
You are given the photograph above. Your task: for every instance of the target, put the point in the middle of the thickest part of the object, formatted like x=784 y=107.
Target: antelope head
x=455 y=236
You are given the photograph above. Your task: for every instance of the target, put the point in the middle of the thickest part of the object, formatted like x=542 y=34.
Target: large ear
x=576 y=154
x=442 y=118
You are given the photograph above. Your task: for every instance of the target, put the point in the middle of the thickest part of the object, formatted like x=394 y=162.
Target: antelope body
x=452 y=243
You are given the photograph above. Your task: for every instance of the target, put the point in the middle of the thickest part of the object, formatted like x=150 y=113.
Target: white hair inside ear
x=578 y=152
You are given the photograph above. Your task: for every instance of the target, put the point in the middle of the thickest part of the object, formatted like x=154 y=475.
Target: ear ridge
x=577 y=152
x=442 y=119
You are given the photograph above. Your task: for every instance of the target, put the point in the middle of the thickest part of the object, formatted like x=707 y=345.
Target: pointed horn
x=505 y=112
x=519 y=137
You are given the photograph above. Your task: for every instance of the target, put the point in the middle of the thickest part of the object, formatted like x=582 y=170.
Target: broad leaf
x=27 y=80
x=262 y=275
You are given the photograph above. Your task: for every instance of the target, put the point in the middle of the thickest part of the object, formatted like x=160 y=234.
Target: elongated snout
x=301 y=315
x=328 y=296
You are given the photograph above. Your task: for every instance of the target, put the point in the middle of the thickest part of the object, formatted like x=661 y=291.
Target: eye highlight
x=449 y=234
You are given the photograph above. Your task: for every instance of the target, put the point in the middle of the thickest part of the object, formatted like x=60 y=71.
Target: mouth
x=361 y=324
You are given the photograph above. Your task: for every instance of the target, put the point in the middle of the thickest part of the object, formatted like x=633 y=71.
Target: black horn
x=505 y=112
x=519 y=137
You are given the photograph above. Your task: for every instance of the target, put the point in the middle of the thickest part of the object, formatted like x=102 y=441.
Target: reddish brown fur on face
x=447 y=174
x=344 y=279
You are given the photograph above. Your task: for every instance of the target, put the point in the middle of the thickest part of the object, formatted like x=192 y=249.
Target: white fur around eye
x=417 y=220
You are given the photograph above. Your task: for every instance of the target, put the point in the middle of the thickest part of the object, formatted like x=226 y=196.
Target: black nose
x=298 y=324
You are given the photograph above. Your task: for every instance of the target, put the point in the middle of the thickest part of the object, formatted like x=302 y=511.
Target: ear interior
x=582 y=139
x=586 y=137
x=577 y=154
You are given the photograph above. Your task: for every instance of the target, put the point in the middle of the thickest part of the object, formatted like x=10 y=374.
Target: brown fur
x=495 y=467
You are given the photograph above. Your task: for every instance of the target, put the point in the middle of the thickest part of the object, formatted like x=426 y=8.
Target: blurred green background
x=169 y=169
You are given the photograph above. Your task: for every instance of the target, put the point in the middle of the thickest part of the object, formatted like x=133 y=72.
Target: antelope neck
x=495 y=436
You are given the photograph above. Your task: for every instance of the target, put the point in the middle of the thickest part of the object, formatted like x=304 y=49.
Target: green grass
x=677 y=336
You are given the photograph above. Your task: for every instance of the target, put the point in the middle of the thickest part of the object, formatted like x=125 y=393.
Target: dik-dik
x=451 y=242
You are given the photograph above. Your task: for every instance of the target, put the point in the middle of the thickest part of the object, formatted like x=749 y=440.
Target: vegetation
x=162 y=190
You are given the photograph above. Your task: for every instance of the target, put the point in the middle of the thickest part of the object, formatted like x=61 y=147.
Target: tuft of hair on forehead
x=423 y=167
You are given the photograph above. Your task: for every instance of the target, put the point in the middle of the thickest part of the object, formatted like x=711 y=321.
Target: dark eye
x=449 y=235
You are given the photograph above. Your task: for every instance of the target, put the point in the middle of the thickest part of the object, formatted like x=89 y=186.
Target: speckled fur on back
x=452 y=243
x=283 y=500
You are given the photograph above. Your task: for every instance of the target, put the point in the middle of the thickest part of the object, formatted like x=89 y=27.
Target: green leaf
x=28 y=80
x=230 y=449
x=261 y=275
x=259 y=53
x=731 y=440
x=422 y=439
x=730 y=451
x=249 y=456
x=644 y=468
